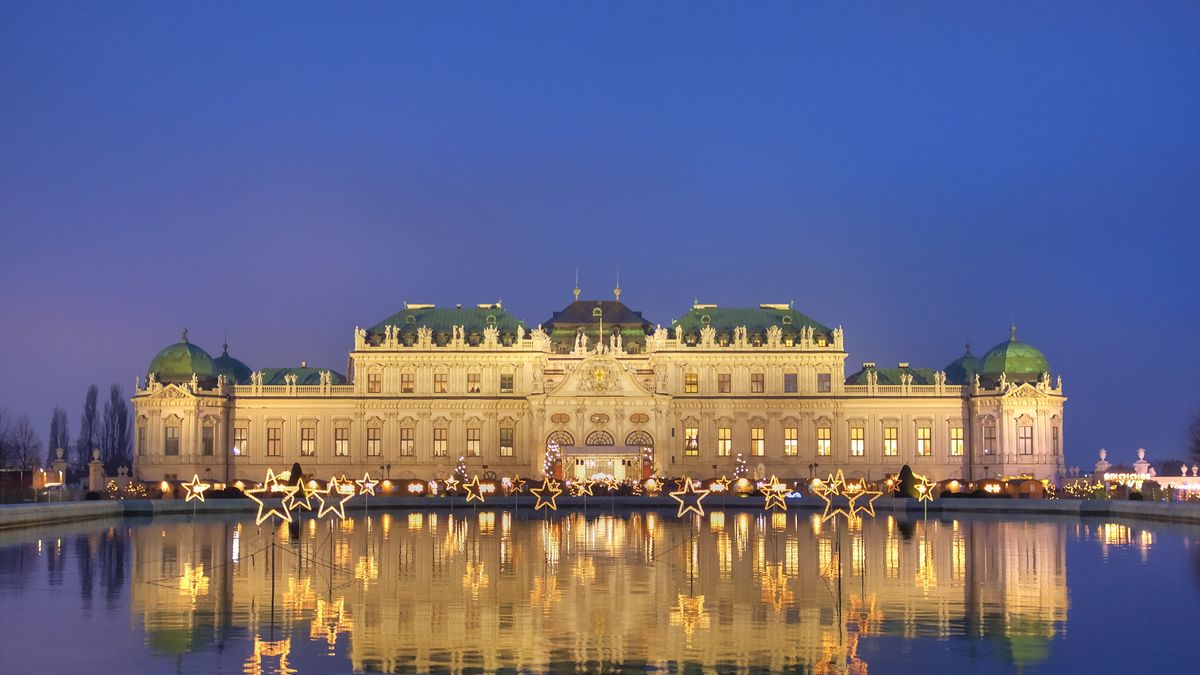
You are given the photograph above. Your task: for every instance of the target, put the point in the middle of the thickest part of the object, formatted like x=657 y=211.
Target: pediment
x=173 y=391
x=1024 y=390
x=600 y=376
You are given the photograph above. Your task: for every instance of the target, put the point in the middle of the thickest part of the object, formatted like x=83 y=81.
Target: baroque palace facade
x=616 y=394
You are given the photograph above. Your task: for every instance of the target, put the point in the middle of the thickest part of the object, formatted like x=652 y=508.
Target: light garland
x=581 y=488
x=474 y=491
x=452 y=484
x=195 y=489
x=862 y=491
x=774 y=491
x=549 y=487
x=271 y=484
x=366 y=486
x=837 y=487
x=721 y=484
x=335 y=499
x=924 y=488
x=680 y=496
x=300 y=499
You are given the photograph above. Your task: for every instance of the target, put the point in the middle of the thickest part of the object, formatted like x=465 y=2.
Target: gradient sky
x=918 y=173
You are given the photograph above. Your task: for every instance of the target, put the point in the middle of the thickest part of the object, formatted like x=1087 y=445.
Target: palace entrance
x=601 y=458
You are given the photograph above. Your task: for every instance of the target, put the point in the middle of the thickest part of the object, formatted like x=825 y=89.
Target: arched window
x=639 y=439
x=561 y=438
x=599 y=438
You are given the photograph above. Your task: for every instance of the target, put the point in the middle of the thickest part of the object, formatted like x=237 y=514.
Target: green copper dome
x=177 y=362
x=963 y=369
x=234 y=370
x=1019 y=361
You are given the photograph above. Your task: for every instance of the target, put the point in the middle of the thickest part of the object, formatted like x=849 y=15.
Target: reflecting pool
x=495 y=589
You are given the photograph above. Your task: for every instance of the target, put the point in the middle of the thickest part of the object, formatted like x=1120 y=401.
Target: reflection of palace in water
x=415 y=591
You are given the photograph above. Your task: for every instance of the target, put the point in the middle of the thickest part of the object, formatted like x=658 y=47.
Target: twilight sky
x=919 y=173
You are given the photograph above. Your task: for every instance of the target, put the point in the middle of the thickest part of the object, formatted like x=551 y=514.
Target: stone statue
x=491 y=336
x=976 y=380
x=708 y=336
x=774 y=337
x=195 y=383
x=520 y=332
x=424 y=337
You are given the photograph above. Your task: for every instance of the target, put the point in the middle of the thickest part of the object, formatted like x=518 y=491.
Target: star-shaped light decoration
x=452 y=484
x=301 y=498
x=335 y=498
x=686 y=505
x=835 y=488
x=272 y=486
x=924 y=488
x=864 y=501
x=774 y=491
x=547 y=493
x=721 y=484
x=581 y=488
x=195 y=489
x=366 y=486
x=517 y=485
x=474 y=491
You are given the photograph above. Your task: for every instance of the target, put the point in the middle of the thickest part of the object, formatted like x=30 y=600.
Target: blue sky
x=920 y=173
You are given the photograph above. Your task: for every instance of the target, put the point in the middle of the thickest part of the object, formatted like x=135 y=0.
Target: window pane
x=274 y=441
x=308 y=441
x=789 y=383
x=439 y=383
x=724 y=383
x=206 y=440
x=171 y=441
x=791 y=441
x=506 y=441
x=374 y=383
x=506 y=383
x=341 y=441
x=473 y=443
x=824 y=441
x=691 y=441
x=758 y=446
x=440 y=434
x=406 y=383
x=374 y=441
x=824 y=383
x=724 y=441
x=691 y=383
x=858 y=443
x=924 y=441
x=407 y=443
x=891 y=445
x=757 y=383
x=473 y=383
x=241 y=440
x=956 y=441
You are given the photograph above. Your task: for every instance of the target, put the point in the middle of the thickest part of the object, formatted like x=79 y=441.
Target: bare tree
x=1193 y=437
x=115 y=433
x=89 y=432
x=26 y=449
x=60 y=435
x=5 y=445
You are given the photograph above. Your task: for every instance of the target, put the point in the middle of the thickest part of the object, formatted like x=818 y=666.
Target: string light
x=581 y=487
x=774 y=491
x=723 y=484
x=924 y=488
x=517 y=485
x=334 y=500
x=272 y=485
x=301 y=498
x=195 y=489
x=452 y=485
x=366 y=486
x=549 y=487
x=680 y=496
x=473 y=490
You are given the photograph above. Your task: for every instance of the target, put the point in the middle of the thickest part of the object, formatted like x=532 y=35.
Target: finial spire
x=183 y=338
x=968 y=352
x=225 y=346
x=576 y=291
x=617 y=290
x=1012 y=332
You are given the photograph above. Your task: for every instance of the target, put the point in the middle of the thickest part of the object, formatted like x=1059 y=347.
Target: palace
x=613 y=393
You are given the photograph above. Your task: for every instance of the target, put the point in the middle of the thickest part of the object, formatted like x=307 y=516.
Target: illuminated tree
x=460 y=470
x=739 y=467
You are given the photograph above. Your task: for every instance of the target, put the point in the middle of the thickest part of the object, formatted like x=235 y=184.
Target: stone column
x=95 y=473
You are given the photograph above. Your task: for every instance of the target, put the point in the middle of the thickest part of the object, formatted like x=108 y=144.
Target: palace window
x=891 y=445
x=989 y=439
x=440 y=442
x=791 y=441
x=506 y=441
x=824 y=383
x=506 y=383
x=241 y=440
x=374 y=383
x=374 y=441
x=171 y=441
x=691 y=441
x=141 y=439
x=924 y=441
x=473 y=442
x=440 y=383
x=473 y=383
x=206 y=439
x=724 y=441
x=308 y=441
x=1025 y=439
x=956 y=441
x=341 y=442
x=408 y=444
x=758 y=383
x=758 y=446
x=724 y=383
x=691 y=383
x=274 y=441
x=1054 y=441
x=858 y=441
x=407 y=385
x=789 y=383
x=824 y=441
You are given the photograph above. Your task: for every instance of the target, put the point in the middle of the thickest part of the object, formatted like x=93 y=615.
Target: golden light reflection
x=689 y=613
x=194 y=582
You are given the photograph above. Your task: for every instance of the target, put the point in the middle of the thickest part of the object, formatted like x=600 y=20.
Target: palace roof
x=756 y=320
x=304 y=375
x=892 y=375
x=441 y=320
x=177 y=362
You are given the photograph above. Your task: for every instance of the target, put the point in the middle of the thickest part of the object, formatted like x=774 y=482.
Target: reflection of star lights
x=194 y=581
x=690 y=614
x=334 y=500
x=195 y=489
x=686 y=505
x=774 y=492
x=271 y=485
x=547 y=494
x=366 y=486
x=473 y=490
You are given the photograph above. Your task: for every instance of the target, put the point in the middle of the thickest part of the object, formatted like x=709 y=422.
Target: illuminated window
x=791 y=441
x=757 y=383
x=241 y=440
x=824 y=383
x=789 y=383
x=506 y=441
x=274 y=441
x=858 y=443
x=924 y=441
x=341 y=442
x=724 y=441
x=824 y=441
x=374 y=383
x=1025 y=439
x=440 y=381
x=506 y=383
x=406 y=383
x=206 y=440
x=989 y=439
x=691 y=441
x=472 y=442
x=308 y=441
x=956 y=441
x=691 y=383
x=440 y=435
x=374 y=441
x=472 y=383
x=758 y=446
x=171 y=441
x=407 y=442
x=891 y=445
x=724 y=383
